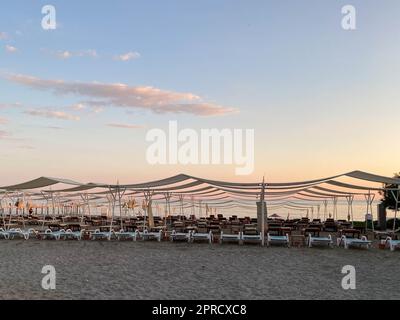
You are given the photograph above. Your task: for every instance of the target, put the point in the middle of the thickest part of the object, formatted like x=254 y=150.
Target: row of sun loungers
x=146 y=235
x=248 y=235
x=16 y=233
x=61 y=234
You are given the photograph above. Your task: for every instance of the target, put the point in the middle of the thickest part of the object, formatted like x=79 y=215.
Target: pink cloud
x=123 y=95
x=27 y=147
x=125 y=126
x=10 y=105
x=52 y=114
x=4 y=134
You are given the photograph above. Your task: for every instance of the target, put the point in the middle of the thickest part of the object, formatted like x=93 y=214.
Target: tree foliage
x=388 y=199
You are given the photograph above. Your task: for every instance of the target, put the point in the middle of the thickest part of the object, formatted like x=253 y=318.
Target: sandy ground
x=151 y=270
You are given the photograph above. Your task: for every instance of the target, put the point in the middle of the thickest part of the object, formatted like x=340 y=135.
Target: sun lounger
x=99 y=235
x=252 y=237
x=73 y=231
x=230 y=237
x=69 y=234
x=4 y=234
x=319 y=240
x=147 y=235
x=50 y=234
x=201 y=236
x=278 y=240
x=126 y=235
x=17 y=232
x=392 y=244
x=180 y=236
x=380 y=235
x=347 y=242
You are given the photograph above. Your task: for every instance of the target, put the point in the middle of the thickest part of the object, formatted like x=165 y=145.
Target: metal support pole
x=369 y=198
x=350 y=216
x=396 y=197
x=335 y=213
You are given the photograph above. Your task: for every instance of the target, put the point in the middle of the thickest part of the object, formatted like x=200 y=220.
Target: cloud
x=27 y=147
x=3 y=36
x=4 y=134
x=89 y=107
x=127 y=56
x=10 y=105
x=54 y=127
x=67 y=54
x=64 y=55
x=123 y=95
x=78 y=106
x=3 y=120
x=125 y=126
x=11 y=49
x=52 y=114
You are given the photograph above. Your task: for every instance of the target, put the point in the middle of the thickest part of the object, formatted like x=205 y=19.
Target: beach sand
x=151 y=270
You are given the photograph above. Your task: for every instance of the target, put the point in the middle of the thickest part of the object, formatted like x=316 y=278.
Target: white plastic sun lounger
x=347 y=242
x=126 y=235
x=99 y=235
x=229 y=237
x=17 y=232
x=180 y=236
x=320 y=241
x=49 y=234
x=278 y=240
x=69 y=234
x=4 y=234
x=146 y=235
x=252 y=237
x=392 y=244
x=201 y=236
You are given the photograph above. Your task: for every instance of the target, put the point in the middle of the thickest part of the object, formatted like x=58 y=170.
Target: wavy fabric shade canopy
x=189 y=189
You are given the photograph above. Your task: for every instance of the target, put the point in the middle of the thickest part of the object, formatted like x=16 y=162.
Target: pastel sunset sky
x=76 y=102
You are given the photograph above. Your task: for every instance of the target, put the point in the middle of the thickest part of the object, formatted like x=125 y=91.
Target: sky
x=77 y=102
